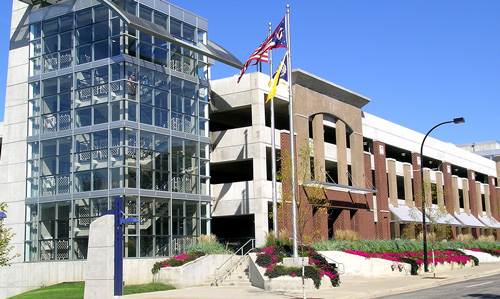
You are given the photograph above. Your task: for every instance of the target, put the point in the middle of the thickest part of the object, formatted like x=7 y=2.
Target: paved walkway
x=349 y=287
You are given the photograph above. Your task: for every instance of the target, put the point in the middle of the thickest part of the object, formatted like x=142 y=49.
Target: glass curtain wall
x=115 y=112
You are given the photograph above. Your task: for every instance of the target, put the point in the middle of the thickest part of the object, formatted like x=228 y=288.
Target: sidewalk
x=349 y=287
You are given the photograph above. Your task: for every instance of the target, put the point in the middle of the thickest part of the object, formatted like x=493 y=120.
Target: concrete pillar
x=340 y=132
x=417 y=180
x=407 y=171
x=357 y=161
x=471 y=176
x=498 y=173
x=439 y=189
x=465 y=192
x=479 y=202
x=99 y=280
x=392 y=181
x=319 y=148
x=456 y=194
x=487 y=201
x=427 y=188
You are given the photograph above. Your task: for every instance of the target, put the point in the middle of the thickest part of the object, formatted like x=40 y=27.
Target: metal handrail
x=229 y=270
x=337 y=264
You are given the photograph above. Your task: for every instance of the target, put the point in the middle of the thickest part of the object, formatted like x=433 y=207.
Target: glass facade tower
x=115 y=112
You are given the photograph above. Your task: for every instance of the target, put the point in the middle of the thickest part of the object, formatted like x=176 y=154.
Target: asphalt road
x=484 y=287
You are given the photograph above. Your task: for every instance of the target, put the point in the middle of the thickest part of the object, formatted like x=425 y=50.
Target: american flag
x=275 y=40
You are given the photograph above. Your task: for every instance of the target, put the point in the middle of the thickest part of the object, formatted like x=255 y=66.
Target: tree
x=5 y=237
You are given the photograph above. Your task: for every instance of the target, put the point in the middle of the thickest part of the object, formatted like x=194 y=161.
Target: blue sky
x=420 y=62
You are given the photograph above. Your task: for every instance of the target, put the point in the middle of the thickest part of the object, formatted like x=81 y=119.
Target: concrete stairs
x=238 y=277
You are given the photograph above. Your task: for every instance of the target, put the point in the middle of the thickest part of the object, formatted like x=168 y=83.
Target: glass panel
x=100 y=114
x=117 y=178
x=100 y=179
x=84 y=17
x=175 y=27
x=66 y=23
x=50 y=44
x=82 y=181
x=84 y=54
x=50 y=27
x=83 y=117
x=83 y=35
x=101 y=50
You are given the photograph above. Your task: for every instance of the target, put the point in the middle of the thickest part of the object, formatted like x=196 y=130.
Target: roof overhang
x=468 y=220
x=338 y=187
x=211 y=50
x=322 y=86
x=441 y=217
x=406 y=214
x=490 y=222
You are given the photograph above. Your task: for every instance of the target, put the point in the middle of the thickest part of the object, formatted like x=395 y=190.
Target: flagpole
x=292 y=133
x=273 y=148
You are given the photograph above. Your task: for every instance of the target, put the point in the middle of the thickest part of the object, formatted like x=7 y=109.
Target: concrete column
x=392 y=181
x=427 y=187
x=340 y=132
x=465 y=192
x=407 y=170
x=479 y=201
x=456 y=194
x=439 y=189
x=487 y=201
x=357 y=165
x=498 y=173
x=319 y=148
x=471 y=175
x=417 y=180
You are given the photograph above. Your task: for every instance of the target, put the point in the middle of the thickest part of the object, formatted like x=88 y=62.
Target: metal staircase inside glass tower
x=34 y=2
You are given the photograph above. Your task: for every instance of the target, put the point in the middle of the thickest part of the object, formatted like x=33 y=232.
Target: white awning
x=406 y=214
x=489 y=221
x=338 y=187
x=468 y=220
x=441 y=216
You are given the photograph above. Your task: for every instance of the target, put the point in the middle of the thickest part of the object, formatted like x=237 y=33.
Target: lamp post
x=458 y=120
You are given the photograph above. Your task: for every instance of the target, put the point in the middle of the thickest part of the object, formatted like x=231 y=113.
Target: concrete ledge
x=483 y=257
x=194 y=273
x=358 y=266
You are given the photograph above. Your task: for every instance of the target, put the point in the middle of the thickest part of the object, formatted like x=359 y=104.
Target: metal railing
x=233 y=262
x=337 y=264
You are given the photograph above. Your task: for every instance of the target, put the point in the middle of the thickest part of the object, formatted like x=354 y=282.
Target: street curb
x=425 y=285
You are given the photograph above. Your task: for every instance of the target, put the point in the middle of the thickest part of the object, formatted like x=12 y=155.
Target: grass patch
x=76 y=290
x=63 y=290
x=146 y=288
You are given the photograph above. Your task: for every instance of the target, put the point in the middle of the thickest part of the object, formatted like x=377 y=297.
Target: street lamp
x=458 y=120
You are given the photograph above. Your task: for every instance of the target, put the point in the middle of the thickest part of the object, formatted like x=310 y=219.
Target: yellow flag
x=281 y=72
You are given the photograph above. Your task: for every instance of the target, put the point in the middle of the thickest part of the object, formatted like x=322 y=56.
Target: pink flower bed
x=440 y=257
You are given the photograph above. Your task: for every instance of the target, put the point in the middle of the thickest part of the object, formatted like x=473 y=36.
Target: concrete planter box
x=194 y=273
x=483 y=257
x=358 y=266
x=443 y=267
x=281 y=283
